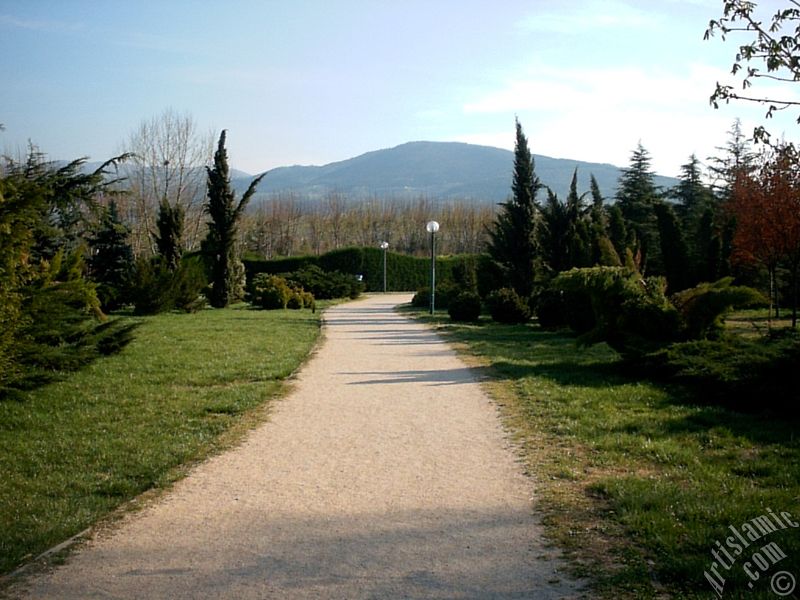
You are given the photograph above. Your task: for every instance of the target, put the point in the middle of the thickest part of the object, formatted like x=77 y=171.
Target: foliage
x=270 y=291
x=507 y=306
x=742 y=374
x=631 y=314
x=636 y=196
x=465 y=306
x=49 y=313
x=489 y=275
x=445 y=291
x=565 y=233
x=111 y=263
x=403 y=272
x=703 y=307
x=634 y=316
x=773 y=45
x=674 y=250
x=558 y=308
x=344 y=260
x=326 y=285
x=766 y=206
x=158 y=288
x=170 y=232
x=513 y=237
x=220 y=243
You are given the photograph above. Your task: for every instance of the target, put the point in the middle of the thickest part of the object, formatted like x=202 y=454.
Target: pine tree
x=513 y=237
x=225 y=212
x=636 y=197
x=111 y=261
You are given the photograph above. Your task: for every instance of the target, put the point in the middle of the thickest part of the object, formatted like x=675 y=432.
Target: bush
x=157 y=288
x=295 y=301
x=326 y=285
x=704 y=306
x=489 y=275
x=444 y=291
x=270 y=292
x=506 y=306
x=466 y=306
x=739 y=373
x=556 y=309
x=152 y=290
x=187 y=285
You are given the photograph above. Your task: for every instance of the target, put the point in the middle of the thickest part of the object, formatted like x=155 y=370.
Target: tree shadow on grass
x=44 y=364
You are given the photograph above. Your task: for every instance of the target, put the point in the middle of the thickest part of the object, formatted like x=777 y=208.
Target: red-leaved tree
x=766 y=206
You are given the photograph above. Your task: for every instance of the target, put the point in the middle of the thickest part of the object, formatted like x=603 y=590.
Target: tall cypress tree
x=513 y=236
x=170 y=233
x=225 y=212
x=673 y=248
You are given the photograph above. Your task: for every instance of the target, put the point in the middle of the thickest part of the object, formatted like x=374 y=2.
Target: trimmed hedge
x=404 y=273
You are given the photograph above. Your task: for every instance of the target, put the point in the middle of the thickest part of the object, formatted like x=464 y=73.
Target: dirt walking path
x=384 y=474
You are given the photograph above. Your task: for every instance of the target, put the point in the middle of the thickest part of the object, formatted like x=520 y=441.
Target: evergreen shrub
x=444 y=292
x=465 y=307
x=507 y=306
x=270 y=292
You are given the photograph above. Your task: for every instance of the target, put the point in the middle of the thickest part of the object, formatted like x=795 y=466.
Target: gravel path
x=384 y=474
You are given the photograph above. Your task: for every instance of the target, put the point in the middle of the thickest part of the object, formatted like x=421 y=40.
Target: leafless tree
x=169 y=154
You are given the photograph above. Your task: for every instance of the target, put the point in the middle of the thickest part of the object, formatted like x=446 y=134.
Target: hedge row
x=403 y=273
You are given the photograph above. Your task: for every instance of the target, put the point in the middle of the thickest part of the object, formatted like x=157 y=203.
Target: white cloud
x=599 y=115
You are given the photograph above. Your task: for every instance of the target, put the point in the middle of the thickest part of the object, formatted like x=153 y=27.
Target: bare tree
x=169 y=155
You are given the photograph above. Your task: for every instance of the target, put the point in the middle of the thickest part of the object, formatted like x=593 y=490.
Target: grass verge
x=186 y=386
x=638 y=481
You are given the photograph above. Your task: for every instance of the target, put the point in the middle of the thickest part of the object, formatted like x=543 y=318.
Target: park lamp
x=384 y=246
x=432 y=227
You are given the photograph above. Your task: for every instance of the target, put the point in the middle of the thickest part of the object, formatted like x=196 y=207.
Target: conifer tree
x=636 y=197
x=169 y=236
x=513 y=236
x=225 y=212
x=673 y=248
x=111 y=261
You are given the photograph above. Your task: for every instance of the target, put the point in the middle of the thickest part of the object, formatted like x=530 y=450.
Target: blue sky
x=311 y=82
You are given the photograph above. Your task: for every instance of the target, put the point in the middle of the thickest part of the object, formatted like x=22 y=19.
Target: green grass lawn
x=638 y=481
x=188 y=384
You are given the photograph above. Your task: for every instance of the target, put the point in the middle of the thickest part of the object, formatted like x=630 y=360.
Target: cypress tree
x=513 y=236
x=111 y=261
x=225 y=212
x=170 y=232
x=673 y=248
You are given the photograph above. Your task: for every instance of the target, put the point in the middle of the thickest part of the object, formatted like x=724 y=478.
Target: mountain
x=435 y=170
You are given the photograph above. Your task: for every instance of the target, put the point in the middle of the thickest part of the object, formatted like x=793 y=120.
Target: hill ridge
x=434 y=170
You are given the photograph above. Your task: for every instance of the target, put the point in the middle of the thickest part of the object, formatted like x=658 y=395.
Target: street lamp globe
x=384 y=245
x=432 y=226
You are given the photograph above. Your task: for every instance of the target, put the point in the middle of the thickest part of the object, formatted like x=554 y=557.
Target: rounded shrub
x=466 y=306
x=444 y=292
x=295 y=301
x=506 y=306
x=270 y=291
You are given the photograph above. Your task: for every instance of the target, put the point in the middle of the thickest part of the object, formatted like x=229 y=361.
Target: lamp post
x=384 y=246
x=432 y=227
